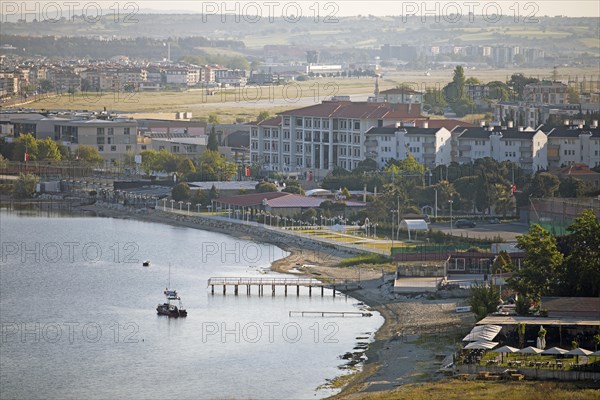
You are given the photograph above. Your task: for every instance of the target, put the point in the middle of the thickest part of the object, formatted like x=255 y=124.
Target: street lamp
x=180 y=203
x=198 y=205
x=188 y=204
x=164 y=204
x=394 y=212
x=450 y=201
x=172 y=202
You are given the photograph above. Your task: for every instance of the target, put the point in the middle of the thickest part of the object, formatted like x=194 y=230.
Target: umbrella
x=483 y=344
x=579 y=352
x=505 y=349
x=485 y=332
x=555 y=350
x=596 y=353
x=530 y=350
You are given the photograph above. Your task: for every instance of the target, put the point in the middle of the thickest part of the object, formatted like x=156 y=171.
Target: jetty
x=330 y=314
x=260 y=283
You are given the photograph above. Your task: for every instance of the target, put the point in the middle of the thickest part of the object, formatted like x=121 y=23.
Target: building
x=402 y=95
x=546 y=92
x=574 y=144
x=319 y=137
x=525 y=147
x=429 y=146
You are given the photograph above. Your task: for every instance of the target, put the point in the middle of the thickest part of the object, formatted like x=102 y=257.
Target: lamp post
x=450 y=201
x=188 y=204
x=394 y=212
x=198 y=205
x=164 y=204
x=435 y=211
x=172 y=202
x=180 y=204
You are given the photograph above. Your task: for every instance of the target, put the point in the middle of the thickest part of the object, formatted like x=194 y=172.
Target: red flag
x=247 y=171
x=514 y=188
x=26 y=156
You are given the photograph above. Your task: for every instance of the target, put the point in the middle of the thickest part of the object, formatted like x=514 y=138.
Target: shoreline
x=397 y=355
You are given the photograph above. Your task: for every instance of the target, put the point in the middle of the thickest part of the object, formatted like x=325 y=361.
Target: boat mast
x=169 y=275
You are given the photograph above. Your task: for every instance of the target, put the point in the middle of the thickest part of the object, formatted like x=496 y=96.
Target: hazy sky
x=575 y=8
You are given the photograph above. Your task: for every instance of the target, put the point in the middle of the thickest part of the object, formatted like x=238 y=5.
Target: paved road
x=506 y=230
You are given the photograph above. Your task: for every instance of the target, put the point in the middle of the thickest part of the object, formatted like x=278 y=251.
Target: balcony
x=429 y=146
x=464 y=147
x=525 y=149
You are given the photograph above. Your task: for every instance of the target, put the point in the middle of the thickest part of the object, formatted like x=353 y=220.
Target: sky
x=569 y=8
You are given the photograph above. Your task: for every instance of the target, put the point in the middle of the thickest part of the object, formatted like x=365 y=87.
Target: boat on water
x=146 y=263
x=169 y=309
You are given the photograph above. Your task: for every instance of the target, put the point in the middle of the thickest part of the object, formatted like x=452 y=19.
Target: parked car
x=494 y=221
x=464 y=223
x=425 y=217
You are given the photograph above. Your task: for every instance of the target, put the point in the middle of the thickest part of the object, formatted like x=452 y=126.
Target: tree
x=214 y=167
x=573 y=95
x=24 y=186
x=502 y=263
x=573 y=187
x=213 y=119
x=181 y=192
x=346 y=193
x=544 y=184
x=262 y=116
x=213 y=193
x=265 y=187
x=200 y=197
x=538 y=273
x=89 y=154
x=518 y=82
x=580 y=273
x=483 y=299
x=186 y=167
x=25 y=143
x=48 y=150
x=213 y=143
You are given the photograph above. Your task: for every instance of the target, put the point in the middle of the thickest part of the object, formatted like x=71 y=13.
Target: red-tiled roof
x=247 y=200
x=577 y=169
x=348 y=109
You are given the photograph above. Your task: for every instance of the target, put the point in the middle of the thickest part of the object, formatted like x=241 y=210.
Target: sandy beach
x=407 y=348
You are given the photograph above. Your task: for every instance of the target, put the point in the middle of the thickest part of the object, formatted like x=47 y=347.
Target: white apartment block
x=525 y=147
x=574 y=144
x=322 y=136
x=429 y=146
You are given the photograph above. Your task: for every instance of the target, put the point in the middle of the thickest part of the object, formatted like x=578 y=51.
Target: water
x=78 y=316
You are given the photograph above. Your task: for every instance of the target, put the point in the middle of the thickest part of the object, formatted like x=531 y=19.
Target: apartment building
x=402 y=95
x=546 y=92
x=525 y=147
x=574 y=144
x=322 y=136
x=429 y=146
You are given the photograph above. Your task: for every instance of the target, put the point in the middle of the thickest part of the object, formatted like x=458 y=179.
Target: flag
x=513 y=188
x=247 y=170
x=26 y=156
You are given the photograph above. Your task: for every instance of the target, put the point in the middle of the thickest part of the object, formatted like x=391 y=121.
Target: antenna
x=169 y=275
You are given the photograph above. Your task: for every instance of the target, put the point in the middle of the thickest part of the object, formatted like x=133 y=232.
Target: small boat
x=146 y=263
x=169 y=309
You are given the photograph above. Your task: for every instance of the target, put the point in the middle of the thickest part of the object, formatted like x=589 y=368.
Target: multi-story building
x=429 y=146
x=546 y=92
x=574 y=144
x=402 y=95
x=322 y=136
x=9 y=84
x=525 y=147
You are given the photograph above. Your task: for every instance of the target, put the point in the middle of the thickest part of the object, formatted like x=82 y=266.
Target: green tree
x=265 y=187
x=214 y=167
x=538 y=273
x=25 y=143
x=346 y=193
x=502 y=263
x=573 y=187
x=263 y=115
x=580 y=273
x=296 y=189
x=48 y=150
x=213 y=143
x=24 y=186
x=200 y=197
x=543 y=184
x=213 y=193
x=186 y=167
x=483 y=299
x=573 y=95
x=213 y=118
x=88 y=154
x=518 y=82
x=181 y=192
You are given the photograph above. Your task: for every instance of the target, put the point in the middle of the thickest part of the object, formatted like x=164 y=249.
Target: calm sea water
x=78 y=318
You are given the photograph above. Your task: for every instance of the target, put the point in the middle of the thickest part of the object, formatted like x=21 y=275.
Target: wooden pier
x=330 y=313
x=260 y=283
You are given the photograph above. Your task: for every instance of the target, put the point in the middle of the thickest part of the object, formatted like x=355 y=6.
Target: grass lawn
x=479 y=390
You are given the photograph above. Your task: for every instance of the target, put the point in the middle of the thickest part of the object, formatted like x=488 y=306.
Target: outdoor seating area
x=481 y=350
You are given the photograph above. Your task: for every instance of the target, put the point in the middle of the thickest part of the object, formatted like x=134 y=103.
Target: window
x=111 y=131
x=254 y=145
x=100 y=148
x=298 y=121
x=254 y=133
x=298 y=135
x=356 y=125
x=286 y=147
x=286 y=134
x=144 y=147
x=109 y=140
x=100 y=131
x=128 y=148
x=286 y=121
x=175 y=149
x=325 y=124
x=126 y=131
x=100 y=140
